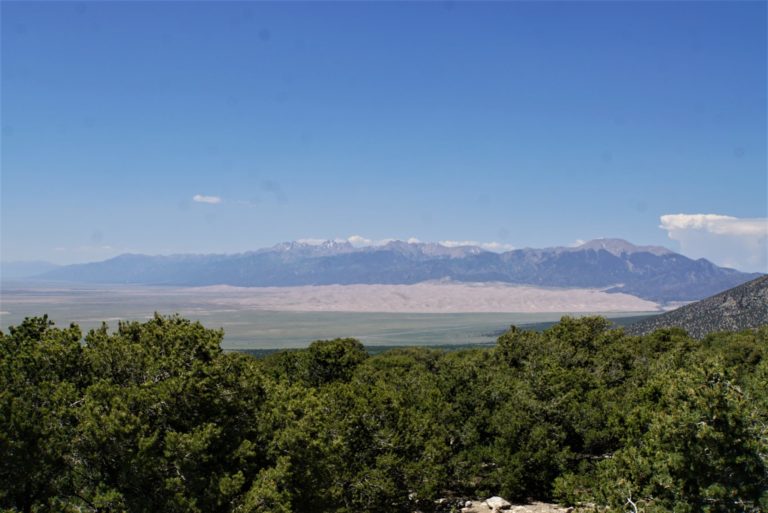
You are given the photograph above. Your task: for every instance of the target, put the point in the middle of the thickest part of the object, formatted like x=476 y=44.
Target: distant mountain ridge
x=17 y=270
x=736 y=309
x=649 y=272
x=619 y=246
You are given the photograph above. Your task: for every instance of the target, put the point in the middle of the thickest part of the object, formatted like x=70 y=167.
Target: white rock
x=497 y=503
x=468 y=504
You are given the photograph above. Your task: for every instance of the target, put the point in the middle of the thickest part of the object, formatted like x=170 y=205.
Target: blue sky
x=520 y=123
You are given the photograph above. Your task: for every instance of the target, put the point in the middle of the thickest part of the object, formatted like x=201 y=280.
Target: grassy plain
x=247 y=326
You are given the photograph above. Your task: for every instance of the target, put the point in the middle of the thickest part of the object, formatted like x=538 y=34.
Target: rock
x=497 y=503
x=468 y=504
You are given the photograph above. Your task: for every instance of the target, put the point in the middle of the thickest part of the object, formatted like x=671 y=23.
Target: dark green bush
x=155 y=417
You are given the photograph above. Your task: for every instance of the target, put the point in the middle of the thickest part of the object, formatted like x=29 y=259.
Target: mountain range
x=649 y=272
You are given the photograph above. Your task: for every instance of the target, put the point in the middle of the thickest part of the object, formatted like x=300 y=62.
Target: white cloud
x=496 y=246
x=488 y=246
x=458 y=243
x=211 y=200
x=358 y=240
x=716 y=224
x=730 y=241
x=311 y=242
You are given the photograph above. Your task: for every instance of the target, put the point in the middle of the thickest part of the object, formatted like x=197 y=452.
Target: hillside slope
x=739 y=308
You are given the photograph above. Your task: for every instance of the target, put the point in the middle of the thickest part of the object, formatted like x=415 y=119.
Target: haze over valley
x=440 y=313
x=397 y=293
x=614 y=265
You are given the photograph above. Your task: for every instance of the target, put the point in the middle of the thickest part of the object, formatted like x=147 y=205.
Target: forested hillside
x=155 y=417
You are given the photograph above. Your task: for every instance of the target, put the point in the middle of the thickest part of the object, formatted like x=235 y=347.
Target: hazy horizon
x=356 y=242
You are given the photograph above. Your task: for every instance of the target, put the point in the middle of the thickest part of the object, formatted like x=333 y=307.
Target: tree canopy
x=154 y=416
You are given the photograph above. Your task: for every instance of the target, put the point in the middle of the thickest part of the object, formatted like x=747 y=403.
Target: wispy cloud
x=211 y=200
x=360 y=241
x=497 y=246
x=458 y=243
x=716 y=224
x=488 y=246
x=312 y=242
x=731 y=241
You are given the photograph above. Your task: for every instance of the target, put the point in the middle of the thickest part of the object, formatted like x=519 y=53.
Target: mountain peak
x=312 y=246
x=618 y=247
x=432 y=249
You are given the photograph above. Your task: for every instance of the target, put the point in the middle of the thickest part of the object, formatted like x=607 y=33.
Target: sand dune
x=427 y=297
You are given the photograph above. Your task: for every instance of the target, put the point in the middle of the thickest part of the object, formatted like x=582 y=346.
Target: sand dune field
x=427 y=297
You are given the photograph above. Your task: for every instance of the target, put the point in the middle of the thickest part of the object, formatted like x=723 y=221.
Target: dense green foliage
x=155 y=417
